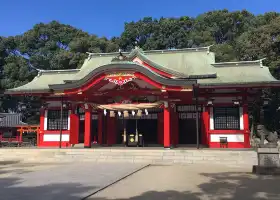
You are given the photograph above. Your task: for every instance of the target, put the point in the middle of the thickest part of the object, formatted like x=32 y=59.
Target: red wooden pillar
x=42 y=126
x=246 y=126
x=74 y=127
x=205 y=125
x=100 y=127
x=42 y=119
x=166 y=121
x=160 y=128
x=87 y=139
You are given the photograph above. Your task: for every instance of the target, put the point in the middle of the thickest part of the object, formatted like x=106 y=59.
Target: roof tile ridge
x=206 y=48
x=237 y=63
x=193 y=49
x=141 y=54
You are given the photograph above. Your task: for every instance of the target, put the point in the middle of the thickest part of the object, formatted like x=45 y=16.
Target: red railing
x=19 y=131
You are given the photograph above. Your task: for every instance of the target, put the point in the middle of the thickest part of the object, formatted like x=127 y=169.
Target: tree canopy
x=237 y=35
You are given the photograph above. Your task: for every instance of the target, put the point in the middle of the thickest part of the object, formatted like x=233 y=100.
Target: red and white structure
x=171 y=97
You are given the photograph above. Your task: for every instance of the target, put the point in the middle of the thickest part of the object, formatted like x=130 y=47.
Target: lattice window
x=188 y=108
x=94 y=117
x=54 y=120
x=226 y=118
x=155 y=110
x=188 y=115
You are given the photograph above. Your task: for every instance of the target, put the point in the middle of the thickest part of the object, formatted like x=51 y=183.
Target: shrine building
x=167 y=98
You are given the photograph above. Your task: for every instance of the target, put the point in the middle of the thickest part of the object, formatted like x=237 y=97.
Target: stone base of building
x=266 y=170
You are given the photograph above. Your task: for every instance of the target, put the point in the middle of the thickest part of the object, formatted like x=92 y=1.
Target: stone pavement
x=27 y=181
x=193 y=182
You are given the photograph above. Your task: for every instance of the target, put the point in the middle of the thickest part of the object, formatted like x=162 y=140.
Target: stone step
x=160 y=156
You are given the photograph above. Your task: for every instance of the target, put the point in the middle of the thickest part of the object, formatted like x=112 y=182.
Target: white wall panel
x=230 y=137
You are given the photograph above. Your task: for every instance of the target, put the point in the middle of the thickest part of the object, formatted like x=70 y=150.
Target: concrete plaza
x=47 y=181
x=193 y=182
x=63 y=181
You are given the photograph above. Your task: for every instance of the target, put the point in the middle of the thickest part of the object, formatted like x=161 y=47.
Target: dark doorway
x=148 y=128
x=94 y=127
x=120 y=130
x=81 y=130
x=187 y=124
x=129 y=124
x=146 y=125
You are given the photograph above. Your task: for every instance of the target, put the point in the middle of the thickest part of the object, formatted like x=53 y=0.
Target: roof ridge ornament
x=208 y=48
x=89 y=55
x=136 y=45
x=261 y=61
x=120 y=57
x=38 y=70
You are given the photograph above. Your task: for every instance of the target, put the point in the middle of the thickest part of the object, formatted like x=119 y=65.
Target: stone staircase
x=130 y=155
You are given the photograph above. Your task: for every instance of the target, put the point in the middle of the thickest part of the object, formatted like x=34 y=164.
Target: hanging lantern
x=112 y=114
x=105 y=112
x=119 y=113
x=133 y=112
x=146 y=112
x=139 y=113
x=125 y=114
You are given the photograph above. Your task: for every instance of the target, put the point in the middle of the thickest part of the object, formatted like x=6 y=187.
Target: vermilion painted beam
x=157 y=71
x=140 y=92
x=85 y=87
x=157 y=85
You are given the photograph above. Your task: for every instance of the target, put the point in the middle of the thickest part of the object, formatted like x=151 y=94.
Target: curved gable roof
x=122 y=66
x=184 y=64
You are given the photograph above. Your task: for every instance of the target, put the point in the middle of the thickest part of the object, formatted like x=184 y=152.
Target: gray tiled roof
x=11 y=120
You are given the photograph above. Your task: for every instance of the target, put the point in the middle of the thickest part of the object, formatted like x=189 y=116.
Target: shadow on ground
x=227 y=185
x=237 y=186
x=69 y=191
x=10 y=189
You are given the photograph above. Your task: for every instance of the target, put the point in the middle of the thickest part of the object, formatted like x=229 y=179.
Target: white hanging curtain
x=123 y=107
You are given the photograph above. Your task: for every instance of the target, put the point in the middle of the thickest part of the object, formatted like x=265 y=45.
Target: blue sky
x=107 y=17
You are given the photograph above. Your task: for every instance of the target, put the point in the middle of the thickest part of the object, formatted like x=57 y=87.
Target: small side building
x=9 y=123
